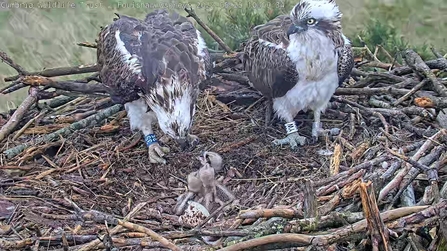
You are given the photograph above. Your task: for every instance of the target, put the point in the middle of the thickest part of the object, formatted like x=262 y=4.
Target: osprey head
x=317 y=15
x=174 y=106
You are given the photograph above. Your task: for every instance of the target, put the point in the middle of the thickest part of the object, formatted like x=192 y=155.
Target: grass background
x=38 y=38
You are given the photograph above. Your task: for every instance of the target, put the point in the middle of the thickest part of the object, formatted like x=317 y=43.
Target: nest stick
x=71 y=86
x=61 y=71
x=88 y=45
x=14 y=86
x=9 y=127
x=165 y=242
x=96 y=118
x=192 y=13
x=416 y=212
x=116 y=229
x=376 y=227
x=421 y=68
x=302 y=239
x=400 y=176
x=411 y=92
x=6 y=59
x=439 y=56
x=28 y=124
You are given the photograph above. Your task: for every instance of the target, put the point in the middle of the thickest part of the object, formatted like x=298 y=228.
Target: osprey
x=154 y=67
x=297 y=61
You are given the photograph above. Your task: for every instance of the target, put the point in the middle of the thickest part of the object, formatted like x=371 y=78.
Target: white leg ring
x=291 y=127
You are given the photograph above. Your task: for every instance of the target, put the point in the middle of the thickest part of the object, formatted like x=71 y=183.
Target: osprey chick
x=297 y=61
x=154 y=67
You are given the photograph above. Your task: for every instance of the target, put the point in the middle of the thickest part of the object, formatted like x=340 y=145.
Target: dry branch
x=61 y=71
x=15 y=119
x=191 y=13
x=92 y=120
x=419 y=67
x=327 y=239
x=379 y=233
x=6 y=59
x=433 y=64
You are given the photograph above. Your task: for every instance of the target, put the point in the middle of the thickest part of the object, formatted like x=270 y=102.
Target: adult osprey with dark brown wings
x=154 y=67
x=298 y=60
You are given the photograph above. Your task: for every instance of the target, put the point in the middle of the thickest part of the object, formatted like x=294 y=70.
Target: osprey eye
x=311 y=21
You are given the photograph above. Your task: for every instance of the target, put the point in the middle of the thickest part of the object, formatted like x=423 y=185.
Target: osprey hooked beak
x=296 y=29
x=183 y=142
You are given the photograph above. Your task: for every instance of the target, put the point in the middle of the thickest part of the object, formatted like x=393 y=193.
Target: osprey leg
x=317 y=129
x=293 y=138
x=141 y=119
x=268 y=112
x=316 y=125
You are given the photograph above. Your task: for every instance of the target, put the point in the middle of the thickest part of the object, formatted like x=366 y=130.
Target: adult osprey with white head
x=297 y=61
x=154 y=67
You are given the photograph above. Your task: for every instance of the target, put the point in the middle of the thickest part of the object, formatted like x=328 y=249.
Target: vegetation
x=46 y=37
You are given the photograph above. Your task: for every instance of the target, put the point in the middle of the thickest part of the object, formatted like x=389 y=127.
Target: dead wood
x=192 y=13
x=326 y=239
x=61 y=71
x=6 y=59
x=379 y=233
x=18 y=114
x=92 y=120
x=418 y=65
x=72 y=86
x=438 y=63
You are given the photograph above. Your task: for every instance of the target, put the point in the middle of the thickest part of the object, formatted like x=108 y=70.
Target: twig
x=10 y=153
x=416 y=164
x=399 y=177
x=166 y=243
x=19 y=113
x=72 y=86
x=388 y=55
x=301 y=239
x=375 y=224
x=62 y=71
x=335 y=160
x=269 y=213
x=419 y=67
x=371 y=91
x=433 y=64
x=191 y=13
x=440 y=57
x=236 y=145
x=340 y=219
x=28 y=124
x=235 y=77
x=114 y=230
x=6 y=59
x=88 y=45
x=213 y=214
x=310 y=201
x=411 y=92
x=420 y=213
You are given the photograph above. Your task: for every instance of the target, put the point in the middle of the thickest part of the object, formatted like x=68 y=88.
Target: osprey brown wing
x=135 y=56
x=345 y=55
x=169 y=50
x=119 y=58
x=345 y=62
x=274 y=31
x=269 y=68
x=189 y=32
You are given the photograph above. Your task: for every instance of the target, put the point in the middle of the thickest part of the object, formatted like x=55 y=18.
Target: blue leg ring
x=150 y=139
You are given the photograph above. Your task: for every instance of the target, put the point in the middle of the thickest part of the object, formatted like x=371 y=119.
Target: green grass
x=46 y=38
